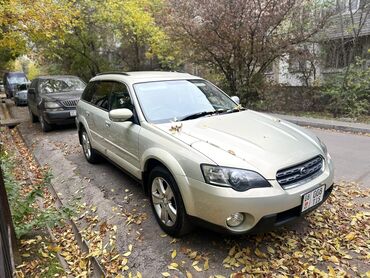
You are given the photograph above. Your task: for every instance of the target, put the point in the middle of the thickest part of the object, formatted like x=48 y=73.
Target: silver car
x=200 y=156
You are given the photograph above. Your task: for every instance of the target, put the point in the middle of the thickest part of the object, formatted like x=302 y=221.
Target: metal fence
x=7 y=235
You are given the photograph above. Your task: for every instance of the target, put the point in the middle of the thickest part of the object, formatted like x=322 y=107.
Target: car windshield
x=177 y=100
x=17 y=79
x=65 y=84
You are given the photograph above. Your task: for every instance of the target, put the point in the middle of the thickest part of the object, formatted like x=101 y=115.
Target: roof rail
x=113 y=72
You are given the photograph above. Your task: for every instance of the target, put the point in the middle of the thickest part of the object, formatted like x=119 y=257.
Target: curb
x=327 y=124
x=97 y=269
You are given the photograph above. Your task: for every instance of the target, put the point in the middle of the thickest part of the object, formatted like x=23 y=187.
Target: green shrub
x=26 y=213
x=348 y=93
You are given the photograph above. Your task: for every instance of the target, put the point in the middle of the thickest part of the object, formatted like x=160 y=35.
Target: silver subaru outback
x=201 y=157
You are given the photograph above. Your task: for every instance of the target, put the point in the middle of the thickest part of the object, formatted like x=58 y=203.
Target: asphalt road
x=109 y=189
x=350 y=153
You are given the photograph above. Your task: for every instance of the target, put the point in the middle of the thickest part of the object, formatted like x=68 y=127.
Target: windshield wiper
x=236 y=109
x=198 y=115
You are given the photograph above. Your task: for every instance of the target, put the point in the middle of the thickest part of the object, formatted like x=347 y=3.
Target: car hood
x=76 y=94
x=248 y=140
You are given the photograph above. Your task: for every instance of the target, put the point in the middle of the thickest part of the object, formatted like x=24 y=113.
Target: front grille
x=290 y=176
x=70 y=102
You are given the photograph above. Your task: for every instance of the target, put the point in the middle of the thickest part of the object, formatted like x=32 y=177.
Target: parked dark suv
x=12 y=80
x=53 y=99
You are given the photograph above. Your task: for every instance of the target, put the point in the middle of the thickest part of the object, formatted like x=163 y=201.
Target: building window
x=347 y=6
x=339 y=55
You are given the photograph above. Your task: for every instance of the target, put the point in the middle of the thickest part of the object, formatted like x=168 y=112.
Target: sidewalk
x=326 y=124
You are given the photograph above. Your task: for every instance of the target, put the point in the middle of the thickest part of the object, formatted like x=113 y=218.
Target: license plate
x=312 y=198
x=72 y=113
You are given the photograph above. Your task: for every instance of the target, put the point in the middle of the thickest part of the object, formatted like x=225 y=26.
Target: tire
x=32 y=116
x=44 y=125
x=90 y=154
x=167 y=204
x=16 y=102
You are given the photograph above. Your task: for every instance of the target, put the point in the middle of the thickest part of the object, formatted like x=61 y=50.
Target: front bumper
x=60 y=117
x=263 y=208
x=21 y=100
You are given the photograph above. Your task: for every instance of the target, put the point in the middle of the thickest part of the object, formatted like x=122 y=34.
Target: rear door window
x=88 y=92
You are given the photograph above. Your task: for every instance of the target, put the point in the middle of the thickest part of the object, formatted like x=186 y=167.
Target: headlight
x=323 y=146
x=51 y=105
x=238 y=179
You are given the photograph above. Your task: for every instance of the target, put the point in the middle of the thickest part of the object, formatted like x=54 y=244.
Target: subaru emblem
x=303 y=171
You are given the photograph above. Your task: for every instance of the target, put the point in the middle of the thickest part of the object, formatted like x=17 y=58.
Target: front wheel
x=32 y=116
x=44 y=125
x=167 y=204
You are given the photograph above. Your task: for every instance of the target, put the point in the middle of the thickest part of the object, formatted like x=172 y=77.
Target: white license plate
x=72 y=113
x=312 y=198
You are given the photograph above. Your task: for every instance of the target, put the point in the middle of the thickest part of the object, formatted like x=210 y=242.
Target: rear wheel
x=90 y=154
x=167 y=203
x=44 y=125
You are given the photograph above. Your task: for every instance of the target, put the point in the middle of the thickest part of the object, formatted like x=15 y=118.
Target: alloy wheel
x=86 y=144
x=164 y=201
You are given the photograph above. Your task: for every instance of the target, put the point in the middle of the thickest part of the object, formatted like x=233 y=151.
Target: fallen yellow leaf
x=128 y=253
x=174 y=253
x=173 y=266
x=334 y=259
x=206 y=266
x=192 y=255
x=197 y=268
x=350 y=236
x=259 y=253
x=331 y=271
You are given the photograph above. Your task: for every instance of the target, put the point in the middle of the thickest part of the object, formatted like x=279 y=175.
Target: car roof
x=56 y=76
x=14 y=73
x=133 y=77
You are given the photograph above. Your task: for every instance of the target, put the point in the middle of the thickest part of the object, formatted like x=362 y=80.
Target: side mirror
x=120 y=115
x=31 y=91
x=236 y=99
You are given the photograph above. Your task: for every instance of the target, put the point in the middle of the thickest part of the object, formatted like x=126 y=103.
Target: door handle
x=87 y=113
x=107 y=123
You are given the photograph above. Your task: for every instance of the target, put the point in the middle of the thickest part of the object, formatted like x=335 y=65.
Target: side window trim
x=135 y=117
x=94 y=83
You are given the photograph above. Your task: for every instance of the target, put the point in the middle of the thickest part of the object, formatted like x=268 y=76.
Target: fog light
x=235 y=219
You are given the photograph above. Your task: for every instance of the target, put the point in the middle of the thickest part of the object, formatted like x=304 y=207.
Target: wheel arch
x=156 y=157
x=81 y=125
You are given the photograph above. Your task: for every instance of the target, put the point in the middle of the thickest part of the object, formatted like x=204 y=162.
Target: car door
x=123 y=137
x=99 y=113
